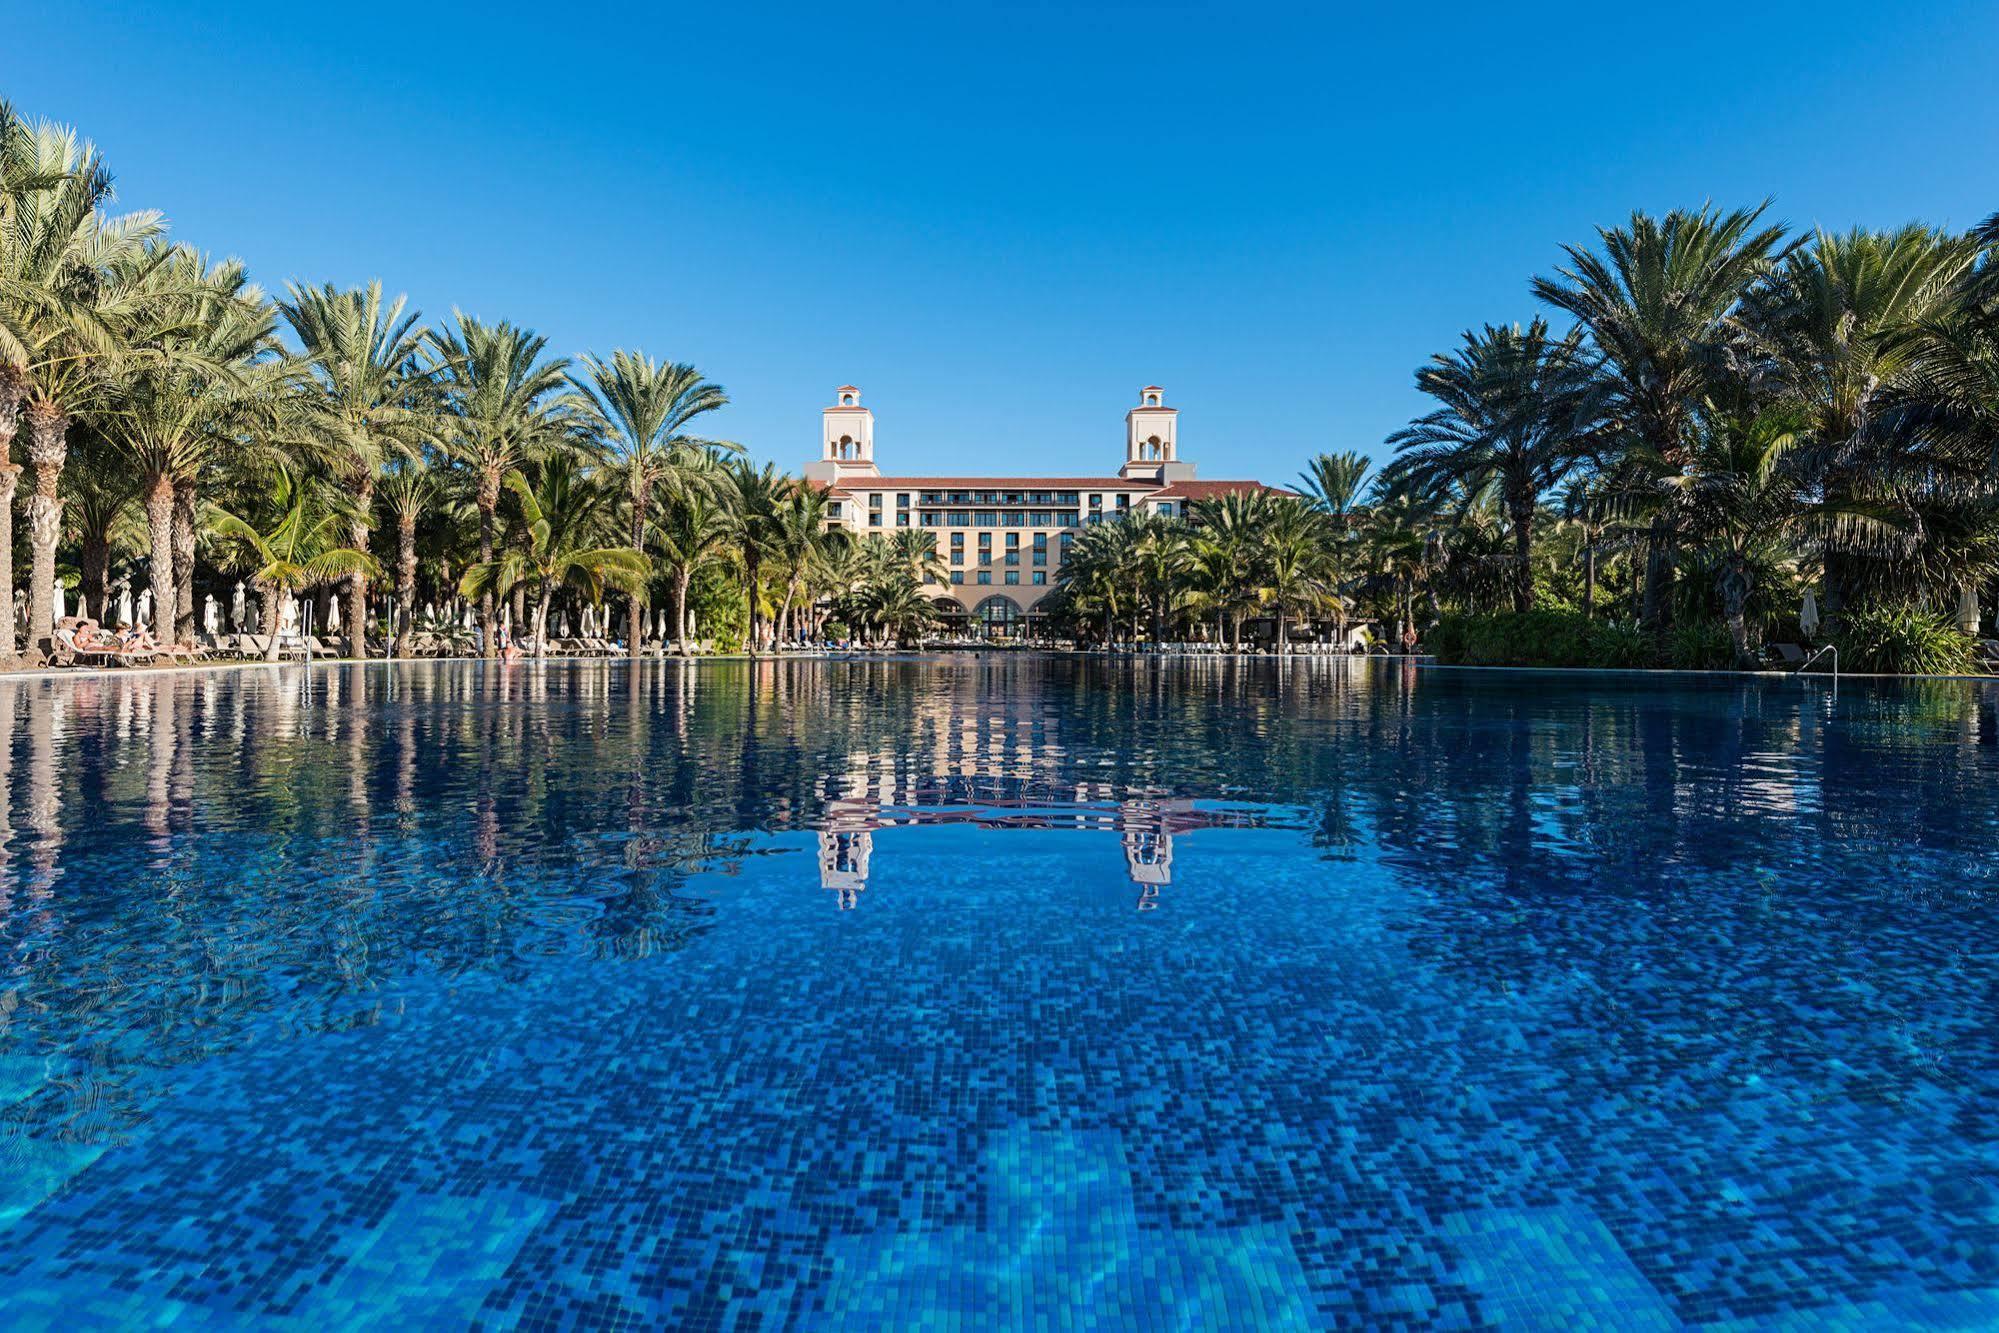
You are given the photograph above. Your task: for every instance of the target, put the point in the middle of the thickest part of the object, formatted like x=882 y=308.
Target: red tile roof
x=994 y=484
x=1208 y=490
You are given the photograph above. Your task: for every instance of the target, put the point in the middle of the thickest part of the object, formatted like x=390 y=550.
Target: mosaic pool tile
x=1012 y=993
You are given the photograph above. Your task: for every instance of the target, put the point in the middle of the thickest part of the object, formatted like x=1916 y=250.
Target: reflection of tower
x=843 y=863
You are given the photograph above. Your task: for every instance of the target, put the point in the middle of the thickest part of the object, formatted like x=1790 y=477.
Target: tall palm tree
x=759 y=497
x=1518 y=406
x=1838 y=319
x=1334 y=483
x=693 y=533
x=68 y=298
x=1294 y=562
x=1230 y=544
x=644 y=408
x=296 y=548
x=369 y=398
x=170 y=415
x=798 y=537
x=564 y=518
x=1662 y=305
x=503 y=407
x=409 y=490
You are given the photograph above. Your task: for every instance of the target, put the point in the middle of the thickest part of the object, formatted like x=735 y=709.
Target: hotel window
x=957 y=575
x=1013 y=557
x=1123 y=503
x=1040 y=577
x=1013 y=539
x=902 y=499
x=1068 y=540
x=957 y=539
x=902 y=519
x=874 y=520
x=985 y=541
x=1096 y=502
x=833 y=509
x=957 y=555
x=985 y=576
x=960 y=519
x=985 y=518
x=1166 y=508
x=874 y=499
x=1013 y=576
x=1040 y=548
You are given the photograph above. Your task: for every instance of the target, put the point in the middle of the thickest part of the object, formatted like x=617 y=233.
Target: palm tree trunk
x=10 y=476
x=269 y=595
x=48 y=450
x=1523 y=547
x=541 y=620
x=637 y=597
x=357 y=582
x=405 y=580
x=752 y=573
x=681 y=578
x=94 y=564
x=184 y=617
x=1656 y=611
x=488 y=501
x=1589 y=579
x=160 y=532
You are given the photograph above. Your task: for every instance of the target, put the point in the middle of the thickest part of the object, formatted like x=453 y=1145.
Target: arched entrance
x=999 y=617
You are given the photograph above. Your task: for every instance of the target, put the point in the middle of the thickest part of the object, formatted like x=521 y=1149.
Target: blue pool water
x=997 y=992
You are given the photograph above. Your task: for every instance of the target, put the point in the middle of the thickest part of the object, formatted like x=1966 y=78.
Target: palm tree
x=1662 y=306
x=1294 y=562
x=170 y=415
x=758 y=500
x=368 y=399
x=295 y=550
x=64 y=315
x=693 y=532
x=644 y=408
x=408 y=491
x=1229 y=548
x=1334 y=481
x=503 y=409
x=799 y=536
x=1839 y=322
x=1517 y=406
x=563 y=516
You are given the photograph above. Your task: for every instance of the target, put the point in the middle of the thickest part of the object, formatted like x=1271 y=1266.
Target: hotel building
x=1003 y=538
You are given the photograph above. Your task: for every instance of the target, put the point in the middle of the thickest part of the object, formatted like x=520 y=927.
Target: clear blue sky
x=1277 y=214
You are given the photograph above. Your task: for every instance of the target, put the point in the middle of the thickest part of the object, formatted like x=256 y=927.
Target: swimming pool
x=1030 y=991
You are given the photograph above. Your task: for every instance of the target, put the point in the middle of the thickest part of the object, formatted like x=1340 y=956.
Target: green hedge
x=1898 y=640
x=1539 y=638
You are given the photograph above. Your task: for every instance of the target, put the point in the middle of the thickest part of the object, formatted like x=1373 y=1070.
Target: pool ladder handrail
x=1822 y=650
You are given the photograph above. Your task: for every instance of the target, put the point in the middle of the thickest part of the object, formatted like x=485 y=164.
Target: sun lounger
x=1788 y=655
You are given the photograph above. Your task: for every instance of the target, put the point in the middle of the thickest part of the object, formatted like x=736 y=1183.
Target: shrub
x=1700 y=645
x=1903 y=641
x=837 y=629
x=1538 y=638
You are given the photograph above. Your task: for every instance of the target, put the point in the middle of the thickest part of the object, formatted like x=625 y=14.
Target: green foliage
x=1700 y=645
x=1547 y=638
x=1905 y=641
x=715 y=600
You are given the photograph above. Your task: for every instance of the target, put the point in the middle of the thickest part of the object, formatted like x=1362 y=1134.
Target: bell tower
x=1152 y=440
x=846 y=439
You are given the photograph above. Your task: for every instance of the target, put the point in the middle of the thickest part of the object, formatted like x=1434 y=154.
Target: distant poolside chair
x=1789 y=655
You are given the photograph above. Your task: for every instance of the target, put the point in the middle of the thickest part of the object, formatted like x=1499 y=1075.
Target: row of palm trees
x=1733 y=415
x=178 y=422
